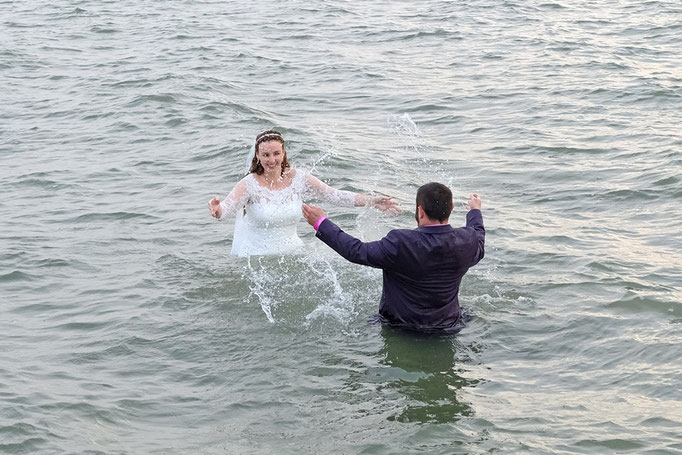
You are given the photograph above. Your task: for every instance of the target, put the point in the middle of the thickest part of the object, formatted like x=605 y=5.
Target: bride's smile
x=271 y=156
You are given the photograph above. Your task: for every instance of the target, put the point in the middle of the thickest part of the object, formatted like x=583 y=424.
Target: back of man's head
x=436 y=201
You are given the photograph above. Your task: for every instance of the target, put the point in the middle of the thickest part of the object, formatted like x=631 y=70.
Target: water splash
x=422 y=163
x=340 y=305
x=328 y=151
x=299 y=290
x=409 y=136
x=260 y=282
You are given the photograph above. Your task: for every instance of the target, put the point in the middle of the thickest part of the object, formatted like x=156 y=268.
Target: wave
x=17 y=275
x=111 y=216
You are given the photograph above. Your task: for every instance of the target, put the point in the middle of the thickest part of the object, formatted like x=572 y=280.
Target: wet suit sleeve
x=477 y=231
x=380 y=254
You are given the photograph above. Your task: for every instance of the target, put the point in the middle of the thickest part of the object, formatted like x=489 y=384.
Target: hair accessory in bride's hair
x=269 y=135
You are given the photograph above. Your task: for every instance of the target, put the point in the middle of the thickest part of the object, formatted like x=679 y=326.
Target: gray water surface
x=125 y=326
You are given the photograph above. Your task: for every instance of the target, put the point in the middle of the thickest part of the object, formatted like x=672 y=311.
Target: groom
x=422 y=267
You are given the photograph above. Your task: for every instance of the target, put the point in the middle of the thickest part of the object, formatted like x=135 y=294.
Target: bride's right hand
x=386 y=204
x=214 y=208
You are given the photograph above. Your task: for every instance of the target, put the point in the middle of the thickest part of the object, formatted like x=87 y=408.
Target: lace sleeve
x=235 y=200
x=329 y=194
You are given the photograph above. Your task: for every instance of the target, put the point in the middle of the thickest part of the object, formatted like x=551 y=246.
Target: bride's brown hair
x=267 y=136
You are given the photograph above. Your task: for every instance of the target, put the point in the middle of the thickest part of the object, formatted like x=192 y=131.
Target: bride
x=268 y=200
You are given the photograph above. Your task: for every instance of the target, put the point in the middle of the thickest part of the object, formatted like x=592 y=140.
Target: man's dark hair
x=436 y=201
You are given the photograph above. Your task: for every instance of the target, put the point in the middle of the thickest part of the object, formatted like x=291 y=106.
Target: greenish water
x=125 y=327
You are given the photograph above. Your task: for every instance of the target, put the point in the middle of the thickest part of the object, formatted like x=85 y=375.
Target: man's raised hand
x=474 y=202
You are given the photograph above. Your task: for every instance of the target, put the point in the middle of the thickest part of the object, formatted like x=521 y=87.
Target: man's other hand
x=312 y=213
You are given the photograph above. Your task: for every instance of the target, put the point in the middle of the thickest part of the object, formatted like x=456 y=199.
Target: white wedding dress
x=266 y=219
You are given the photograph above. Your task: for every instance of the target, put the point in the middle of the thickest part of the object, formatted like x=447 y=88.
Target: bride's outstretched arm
x=233 y=202
x=348 y=198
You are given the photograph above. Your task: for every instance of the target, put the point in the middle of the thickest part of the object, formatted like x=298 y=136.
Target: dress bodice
x=267 y=215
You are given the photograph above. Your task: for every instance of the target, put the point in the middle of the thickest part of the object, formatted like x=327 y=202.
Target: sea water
x=125 y=326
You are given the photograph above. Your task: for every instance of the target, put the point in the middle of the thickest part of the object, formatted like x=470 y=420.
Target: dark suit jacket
x=422 y=267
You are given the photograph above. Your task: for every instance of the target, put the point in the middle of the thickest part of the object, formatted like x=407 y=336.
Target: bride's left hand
x=388 y=205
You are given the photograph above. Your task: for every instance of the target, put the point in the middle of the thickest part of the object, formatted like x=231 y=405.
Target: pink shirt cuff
x=319 y=221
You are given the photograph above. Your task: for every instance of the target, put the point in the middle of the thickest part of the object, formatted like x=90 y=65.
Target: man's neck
x=431 y=222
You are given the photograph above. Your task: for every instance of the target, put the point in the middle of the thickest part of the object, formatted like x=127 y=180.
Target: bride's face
x=271 y=155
